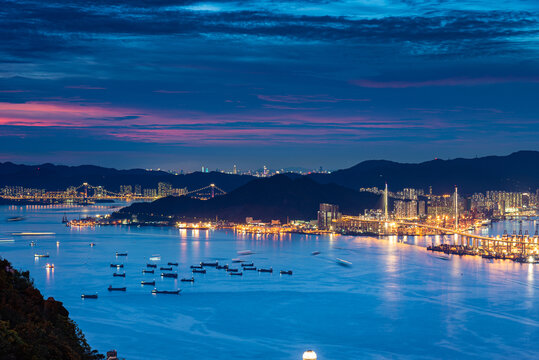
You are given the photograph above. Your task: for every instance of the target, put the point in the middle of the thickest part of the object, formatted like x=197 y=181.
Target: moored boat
x=166 y=268
x=188 y=280
x=169 y=275
x=236 y=273
x=286 y=272
x=41 y=255
x=151 y=265
x=110 y=288
x=248 y=265
x=211 y=264
x=147 y=283
x=119 y=275
x=117 y=265
x=148 y=271
x=270 y=270
x=173 y=292
x=173 y=263
x=199 y=271
x=121 y=254
x=220 y=267
x=196 y=266
x=231 y=270
x=247 y=268
x=89 y=296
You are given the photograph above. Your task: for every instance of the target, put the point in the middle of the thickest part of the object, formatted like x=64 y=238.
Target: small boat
x=196 y=266
x=173 y=292
x=148 y=271
x=151 y=265
x=89 y=296
x=65 y=219
x=199 y=271
x=92 y=244
x=119 y=275
x=155 y=258
x=236 y=273
x=188 y=280
x=211 y=264
x=244 y=265
x=49 y=266
x=270 y=270
x=32 y=243
x=315 y=253
x=121 y=254
x=41 y=255
x=147 y=283
x=166 y=268
x=117 y=265
x=443 y=257
x=246 y=268
x=169 y=275
x=343 y=262
x=221 y=267
x=286 y=272
x=110 y=288
x=173 y=264
x=237 y=260
x=15 y=218
x=231 y=270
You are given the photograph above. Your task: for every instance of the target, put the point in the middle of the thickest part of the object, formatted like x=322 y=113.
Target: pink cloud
x=457 y=81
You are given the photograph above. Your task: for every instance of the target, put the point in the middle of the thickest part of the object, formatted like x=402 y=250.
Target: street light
x=309 y=355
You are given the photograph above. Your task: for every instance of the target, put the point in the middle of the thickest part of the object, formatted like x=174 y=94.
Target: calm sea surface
x=396 y=301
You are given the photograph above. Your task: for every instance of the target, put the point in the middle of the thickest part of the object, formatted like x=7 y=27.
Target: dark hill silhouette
x=516 y=172
x=59 y=177
x=278 y=197
x=34 y=328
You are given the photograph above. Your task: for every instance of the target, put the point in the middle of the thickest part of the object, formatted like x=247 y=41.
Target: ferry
x=173 y=292
x=116 y=265
x=270 y=270
x=33 y=233
x=198 y=271
x=168 y=275
x=110 y=288
x=343 y=262
x=286 y=272
x=173 y=263
x=41 y=255
x=15 y=218
x=121 y=254
x=147 y=271
x=119 y=275
x=166 y=268
x=236 y=273
x=89 y=296
x=147 y=283
x=188 y=280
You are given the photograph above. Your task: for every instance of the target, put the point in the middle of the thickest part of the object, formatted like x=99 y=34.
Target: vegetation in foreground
x=34 y=328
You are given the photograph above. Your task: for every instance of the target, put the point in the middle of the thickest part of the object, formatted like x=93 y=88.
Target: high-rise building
x=150 y=193
x=164 y=189
x=326 y=215
x=138 y=190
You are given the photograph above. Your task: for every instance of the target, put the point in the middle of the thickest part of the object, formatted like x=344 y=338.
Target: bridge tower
x=386 y=204
x=456 y=200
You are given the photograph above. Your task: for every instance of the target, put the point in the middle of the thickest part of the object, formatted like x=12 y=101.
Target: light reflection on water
x=396 y=301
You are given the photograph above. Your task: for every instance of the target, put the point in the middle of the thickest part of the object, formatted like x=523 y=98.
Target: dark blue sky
x=180 y=84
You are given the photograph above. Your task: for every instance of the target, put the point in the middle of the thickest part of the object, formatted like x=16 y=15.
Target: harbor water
x=395 y=301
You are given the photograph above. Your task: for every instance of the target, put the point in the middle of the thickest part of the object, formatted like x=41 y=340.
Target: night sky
x=181 y=84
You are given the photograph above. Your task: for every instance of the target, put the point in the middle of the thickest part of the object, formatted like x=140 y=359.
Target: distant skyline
x=180 y=84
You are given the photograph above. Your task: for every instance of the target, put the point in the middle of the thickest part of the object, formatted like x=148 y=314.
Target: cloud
x=85 y=87
x=442 y=82
x=301 y=99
